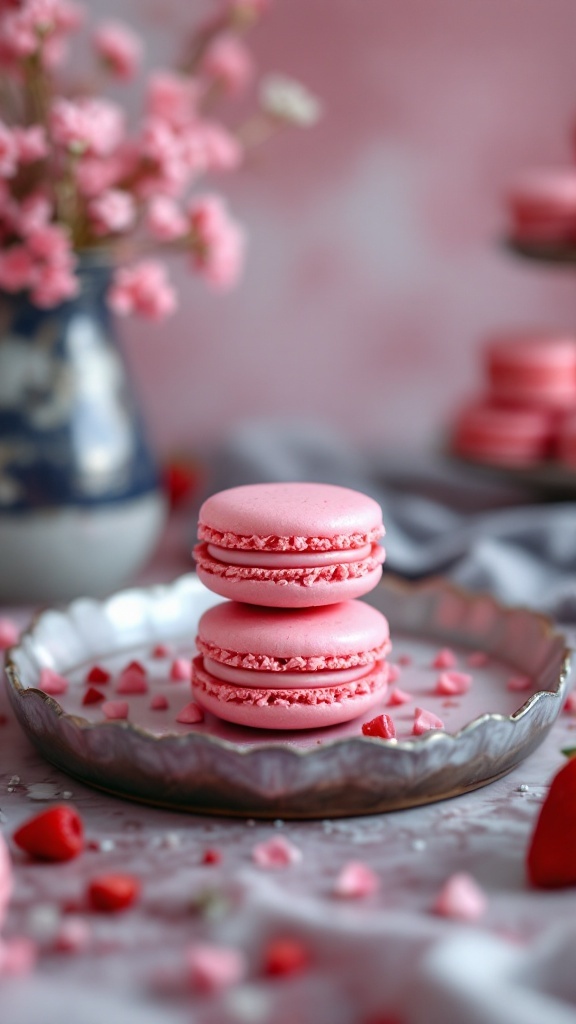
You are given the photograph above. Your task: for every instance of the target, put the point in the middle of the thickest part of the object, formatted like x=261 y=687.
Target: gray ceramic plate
x=223 y=769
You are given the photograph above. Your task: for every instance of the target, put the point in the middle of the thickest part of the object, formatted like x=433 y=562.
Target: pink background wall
x=374 y=269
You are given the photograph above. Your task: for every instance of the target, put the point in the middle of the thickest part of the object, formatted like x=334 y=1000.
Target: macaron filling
x=374 y=681
x=311 y=663
x=285 y=680
x=242 y=542
x=302 y=575
x=286 y=559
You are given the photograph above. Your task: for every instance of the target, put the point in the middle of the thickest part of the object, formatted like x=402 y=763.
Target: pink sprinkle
x=394 y=672
x=191 y=714
x=355 y=880
x=113 y=709
x=424 y=721
x=477 y=659
x=73 y=935
x=214 y=968
x=51 y=682
x=97 y=674
x=381 y=726
x=570 y=703
x=17 y=956
x=519 y=683
x=445 y=658
x=181 y=670
x=159 y=702
x=9 y=633
x=160 y=651
x=132 y=681
x=453 y=684
x=277 y=852
x=398 y=696
x=460 y=898
x=404 y=659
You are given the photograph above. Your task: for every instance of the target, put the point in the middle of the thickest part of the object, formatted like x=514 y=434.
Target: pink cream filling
x=315 y=663
x=302 y=576
x=340 y=542
x=285 y=680
x=287 y=560
x=260 y=697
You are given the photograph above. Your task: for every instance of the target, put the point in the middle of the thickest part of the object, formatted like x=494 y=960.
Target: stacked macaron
x=527 y=412
x=293 y=648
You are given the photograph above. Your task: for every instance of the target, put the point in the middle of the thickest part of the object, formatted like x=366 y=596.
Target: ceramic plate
x=519 y=667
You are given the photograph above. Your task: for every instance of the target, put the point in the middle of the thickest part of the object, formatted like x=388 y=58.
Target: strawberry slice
x=56 y=834
x=551 y=863
x=99 y=675
x=113 y=892
x=93 y=696
x=381 y=726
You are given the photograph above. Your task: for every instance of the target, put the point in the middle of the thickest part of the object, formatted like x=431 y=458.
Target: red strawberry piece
x=135 y=666
x=97 y=674
x=211 y=856
x=56 y=834
x=285 y=956
x=381 y=726
x=160 y=651
x=115 y=709
x=113 y=892
x=191 y=714
x=551 y=862
x=93 y=696
x=131 y=682
x=181 y=670
x=158 y=702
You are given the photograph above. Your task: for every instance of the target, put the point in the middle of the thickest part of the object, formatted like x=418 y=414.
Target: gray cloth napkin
x=441 y=518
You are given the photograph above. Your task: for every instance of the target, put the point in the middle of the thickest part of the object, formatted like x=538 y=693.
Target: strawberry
x=56 y=834
x=113 y=892
x=551 y=860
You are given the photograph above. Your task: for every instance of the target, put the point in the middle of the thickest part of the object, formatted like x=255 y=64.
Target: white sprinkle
x=106 y=845
x=247 y=1004
x=42 y=791
x=418 y=844
x=523 y=788
x=43 y=921
x=66 y=794
x=278 y=823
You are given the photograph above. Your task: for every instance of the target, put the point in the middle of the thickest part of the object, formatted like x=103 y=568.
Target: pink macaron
x=297 y=668
x=533 y=369
x=290 y=545
x=506 y=436
x=542 y=207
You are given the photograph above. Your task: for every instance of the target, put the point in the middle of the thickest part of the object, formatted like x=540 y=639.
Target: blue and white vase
x=80 y=504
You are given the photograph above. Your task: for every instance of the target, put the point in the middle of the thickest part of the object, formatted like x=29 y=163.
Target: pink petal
x=113 y=709
x=398 y=696
x=461 y=898
x=51 y=682
x=424 y=721
x=519 y=683
x=445 y=658
x=9 y=633
x=453 y=683
x=356 y=879
x=158 y=702
x=181 y=670
x=214 y=968
x=191 y=714
x=277 y=852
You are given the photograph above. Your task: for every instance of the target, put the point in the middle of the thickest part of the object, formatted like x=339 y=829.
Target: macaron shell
x=291 y=514
x=338 y=636
x=287 y=709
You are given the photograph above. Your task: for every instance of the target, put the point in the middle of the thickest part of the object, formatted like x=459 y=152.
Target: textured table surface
x=378 y=958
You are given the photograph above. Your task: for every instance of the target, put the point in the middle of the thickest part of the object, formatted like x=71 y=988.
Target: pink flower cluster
x=73 y=177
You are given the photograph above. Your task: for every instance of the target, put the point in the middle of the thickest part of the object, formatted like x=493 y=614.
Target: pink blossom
x=55 y=284
x=119 y=48
x=142 y=288
x=8 y=152
x=229 y=62
x=168 y=172
x=87 y=125
x=276 y=852
x=38 y=27
x=17 y=268
x=112 y=211
x=221 y=151
x=165 y=219
x=218 y=241
x=31 y=143
x=96 y=174
x=32 y=214
x=51 y=242
x=172 y=98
